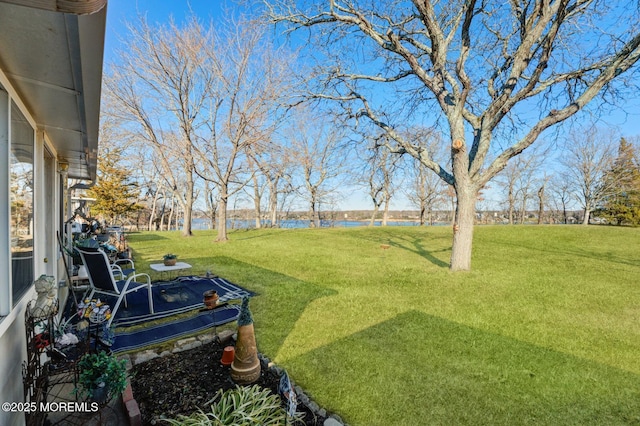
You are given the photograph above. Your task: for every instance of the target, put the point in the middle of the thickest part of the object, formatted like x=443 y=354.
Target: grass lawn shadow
x=279 y=302
x=420 y=369
x=398 y=238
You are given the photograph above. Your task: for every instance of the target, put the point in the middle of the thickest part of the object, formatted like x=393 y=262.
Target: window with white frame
x=21 y=198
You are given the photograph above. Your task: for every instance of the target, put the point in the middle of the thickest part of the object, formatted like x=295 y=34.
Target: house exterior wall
x=50 y=78
x=12 y=342
x=45 y=253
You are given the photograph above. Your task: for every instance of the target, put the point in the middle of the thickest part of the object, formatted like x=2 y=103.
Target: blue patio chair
x=103 y=280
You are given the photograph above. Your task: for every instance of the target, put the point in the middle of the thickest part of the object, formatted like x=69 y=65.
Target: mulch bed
x=184 y=382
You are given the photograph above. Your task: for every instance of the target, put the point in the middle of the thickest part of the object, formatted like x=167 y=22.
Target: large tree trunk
x=273 y=207
x=466 y=196
x=186 y=203
x=511 y=206
x=314 y=213
x=541 y=205
x=585 y=218
x=162 y=214
x=171 y=212
x=154 y=204
x=258 y=211
x=256 y=202
x=385 y=214
x=315 y=216
x=463 y=230
x=211 y=207
x=187 y=208
x=187 y=216
x=272 y=184
x=213 y=219
x=222 y=212
x=376 y=207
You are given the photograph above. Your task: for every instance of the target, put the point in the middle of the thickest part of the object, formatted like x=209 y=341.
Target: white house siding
x=12 y=342
x=46 y=255
x=51 y=71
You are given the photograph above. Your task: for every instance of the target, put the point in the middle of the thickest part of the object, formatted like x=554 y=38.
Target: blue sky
x=120 y=11
x=162 y=10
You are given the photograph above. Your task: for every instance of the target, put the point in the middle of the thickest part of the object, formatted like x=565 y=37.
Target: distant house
x=50 y=78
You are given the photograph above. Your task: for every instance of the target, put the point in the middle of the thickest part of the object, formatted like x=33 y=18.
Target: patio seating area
x=118 y=311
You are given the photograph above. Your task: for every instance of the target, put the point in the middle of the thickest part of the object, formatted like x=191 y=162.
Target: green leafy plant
x=170 y=256
x=239 y=406
x=101 y=376
x=84 y=243
x=87 y=243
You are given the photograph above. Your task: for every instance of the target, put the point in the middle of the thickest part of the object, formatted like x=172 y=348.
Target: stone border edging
x=131 y=405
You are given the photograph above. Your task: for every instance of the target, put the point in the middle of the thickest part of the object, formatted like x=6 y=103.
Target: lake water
x=293 y=223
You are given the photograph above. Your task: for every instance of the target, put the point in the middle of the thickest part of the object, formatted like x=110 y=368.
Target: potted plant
x=101 y=377
x=85 y=244
x=170 y=259
x=210 y=298
x=90 y=243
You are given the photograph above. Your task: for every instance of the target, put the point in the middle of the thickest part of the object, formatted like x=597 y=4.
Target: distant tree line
x=595 y=174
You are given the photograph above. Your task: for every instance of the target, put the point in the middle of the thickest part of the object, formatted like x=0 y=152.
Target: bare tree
x=249 y=85
x=258 y=186
x=279 y=180
x=589 y=154
x=211 y=203
x=562 y=195
x=518 y=180
x=317 y=150
x=541 y=200
x=425 y=190
x=482 y=67
x=379 y=176
x=274 y=162
x=159 y=87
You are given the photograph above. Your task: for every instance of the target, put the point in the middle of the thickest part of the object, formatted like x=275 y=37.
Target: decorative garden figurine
x=47 y=290
x=288 y=395
x=245 y=368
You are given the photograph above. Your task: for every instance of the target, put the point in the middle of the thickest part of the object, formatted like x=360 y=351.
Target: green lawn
x=544 y=330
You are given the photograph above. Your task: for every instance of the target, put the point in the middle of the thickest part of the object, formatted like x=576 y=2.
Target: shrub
x=240 y=406
x=101 y=372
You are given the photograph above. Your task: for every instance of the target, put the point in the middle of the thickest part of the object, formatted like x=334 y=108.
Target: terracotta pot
x=170 y=262
x=245 y=368
x=227 y=355
x=210 y=299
